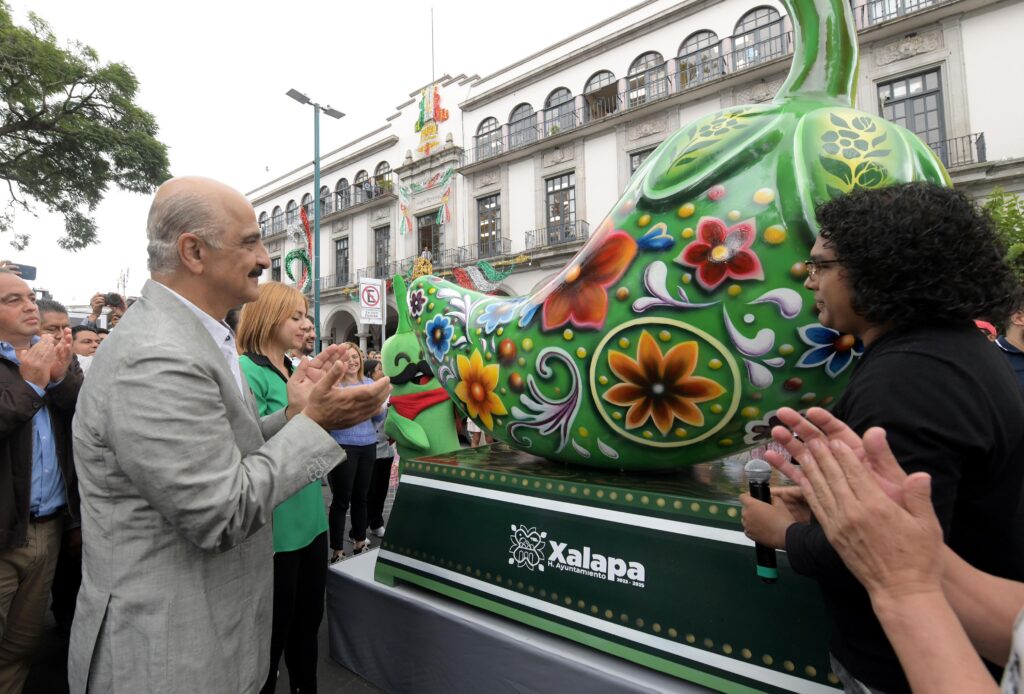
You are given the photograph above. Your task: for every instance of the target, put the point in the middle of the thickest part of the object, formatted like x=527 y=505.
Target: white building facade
x=514 y=169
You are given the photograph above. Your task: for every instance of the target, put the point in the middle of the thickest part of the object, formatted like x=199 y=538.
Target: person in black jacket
x=39 y=384
x=906 y=270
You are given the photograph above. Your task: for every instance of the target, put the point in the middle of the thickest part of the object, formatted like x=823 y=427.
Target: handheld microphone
x=758 y=474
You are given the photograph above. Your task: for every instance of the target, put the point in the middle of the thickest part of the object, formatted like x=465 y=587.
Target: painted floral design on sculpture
x=497 y=314
x=721 y=251
x=417 y=300
x=439 y=336
x=760 y=431
x=580 y=295
x=828 y=347
x=660 y=387
x=527 y=550
x=476 y=389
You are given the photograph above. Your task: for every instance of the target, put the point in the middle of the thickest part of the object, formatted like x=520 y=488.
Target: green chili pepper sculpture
x=682 y=325
x=421 y=419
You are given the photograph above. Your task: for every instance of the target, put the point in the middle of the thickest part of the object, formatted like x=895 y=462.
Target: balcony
x=466 y=255
x=356 y=194
x=557 y=235
x=871 y=13
x=328 y=282
x=271 y=226
x=961 y=151
x=383 y=271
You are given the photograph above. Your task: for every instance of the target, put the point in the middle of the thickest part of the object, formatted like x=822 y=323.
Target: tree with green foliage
x=69 y=128
x=1007 y=212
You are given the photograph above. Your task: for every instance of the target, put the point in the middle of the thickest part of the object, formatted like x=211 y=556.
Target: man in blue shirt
x=1012 y=343
x=39 y=386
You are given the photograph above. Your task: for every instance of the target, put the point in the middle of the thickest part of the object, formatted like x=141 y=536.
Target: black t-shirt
x=951 y=407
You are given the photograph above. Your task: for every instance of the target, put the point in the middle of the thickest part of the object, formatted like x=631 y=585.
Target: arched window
x=291 y=213
x=700 y=59
x=601 y=94
x=488 y=139
x=559 y=113
x=362 y=187
x=307 y=204
x=522 y=126
x=647 y=79
x=325 y=200
x=381 y=179
x=276 y=220
x=264 y=230
x=342 y=194
x=758 y=38
x=383 y=169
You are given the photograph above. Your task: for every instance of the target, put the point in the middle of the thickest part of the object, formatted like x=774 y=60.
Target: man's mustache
x=256 y=272
x=420 y=369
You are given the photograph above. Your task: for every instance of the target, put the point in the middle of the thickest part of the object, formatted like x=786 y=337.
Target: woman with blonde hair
x=350 y=481
x=267 y=329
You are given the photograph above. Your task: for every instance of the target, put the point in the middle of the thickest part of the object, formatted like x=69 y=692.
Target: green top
x=298 y=520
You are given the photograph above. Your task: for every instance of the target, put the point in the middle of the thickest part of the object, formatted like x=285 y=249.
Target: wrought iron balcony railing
x=558 y=234
x=355 y=194
x=385 y=270
x=464 y=255
x=961 y=151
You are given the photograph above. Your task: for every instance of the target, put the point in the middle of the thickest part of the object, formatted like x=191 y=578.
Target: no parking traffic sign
x=371 y=301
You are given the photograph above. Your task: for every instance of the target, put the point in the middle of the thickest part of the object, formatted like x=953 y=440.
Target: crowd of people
x=162 y=469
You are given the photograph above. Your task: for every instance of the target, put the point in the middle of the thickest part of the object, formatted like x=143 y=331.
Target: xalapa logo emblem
x=527 y=550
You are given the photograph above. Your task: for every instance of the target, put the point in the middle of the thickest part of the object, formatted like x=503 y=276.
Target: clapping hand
x=892 y=547
x=37 y=363
x=340 y=408
x=820 y=425
x=308 y=373
x=62 y=354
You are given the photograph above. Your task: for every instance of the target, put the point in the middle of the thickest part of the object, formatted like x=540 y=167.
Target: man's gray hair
x=172 y=217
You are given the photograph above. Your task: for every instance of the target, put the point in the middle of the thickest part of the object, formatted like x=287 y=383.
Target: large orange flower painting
x=660 y=387
x=476 y=389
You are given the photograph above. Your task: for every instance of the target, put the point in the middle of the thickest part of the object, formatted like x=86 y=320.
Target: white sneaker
x=379 y=532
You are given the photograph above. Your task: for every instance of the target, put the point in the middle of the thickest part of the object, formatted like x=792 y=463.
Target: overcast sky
x=214 y=74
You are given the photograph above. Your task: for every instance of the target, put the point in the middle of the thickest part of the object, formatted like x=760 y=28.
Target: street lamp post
x=333 y=113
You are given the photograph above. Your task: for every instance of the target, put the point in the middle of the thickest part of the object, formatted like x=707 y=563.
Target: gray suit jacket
x=179 y=479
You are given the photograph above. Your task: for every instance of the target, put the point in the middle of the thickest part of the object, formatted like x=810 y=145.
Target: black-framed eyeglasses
x=813 y=266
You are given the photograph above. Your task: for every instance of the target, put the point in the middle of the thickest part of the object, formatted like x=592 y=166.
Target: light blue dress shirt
x=47 y=491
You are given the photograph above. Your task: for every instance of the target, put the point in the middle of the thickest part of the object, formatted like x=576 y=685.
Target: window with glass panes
x=275 y=269
x=638 y=158
x=759 y=37
x=699 y=59
x=916 y=103
x=381 y=249
x=559 y=114
x=883 y=10
x=488 y=215
x=522 y=126
x=647 y=80
x=488 y=138
x=341 y=261
x=561 y=208
x=430 y=236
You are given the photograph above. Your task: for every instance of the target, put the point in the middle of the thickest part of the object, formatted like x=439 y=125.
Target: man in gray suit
x=179 y=476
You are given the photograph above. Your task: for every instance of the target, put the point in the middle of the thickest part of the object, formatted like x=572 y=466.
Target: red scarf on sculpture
x=409 y=406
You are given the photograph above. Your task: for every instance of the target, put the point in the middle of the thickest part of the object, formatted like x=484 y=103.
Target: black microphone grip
x=767 y=567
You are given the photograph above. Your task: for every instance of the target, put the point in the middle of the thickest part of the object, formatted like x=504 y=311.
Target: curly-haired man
x=907 y=269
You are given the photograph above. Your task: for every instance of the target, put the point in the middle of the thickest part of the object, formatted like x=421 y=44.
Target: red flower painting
x=721 y=252
x=580 y=295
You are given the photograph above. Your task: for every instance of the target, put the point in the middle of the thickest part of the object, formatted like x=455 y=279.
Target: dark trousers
x=378 y=491
x=350 y=483
x=300 y=579
x=66 y=581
